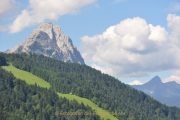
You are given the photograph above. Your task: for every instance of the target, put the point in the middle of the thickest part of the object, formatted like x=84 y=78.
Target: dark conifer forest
x=2 y=60
x=22 y=100
x=19 y=101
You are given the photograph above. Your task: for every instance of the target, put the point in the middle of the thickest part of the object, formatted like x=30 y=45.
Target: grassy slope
x=28 y=77
x=32 y=79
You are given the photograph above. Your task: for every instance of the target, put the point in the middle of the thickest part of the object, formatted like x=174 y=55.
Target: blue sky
x=105 y=33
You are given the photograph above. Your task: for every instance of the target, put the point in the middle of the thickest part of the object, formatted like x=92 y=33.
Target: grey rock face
x=50 y=41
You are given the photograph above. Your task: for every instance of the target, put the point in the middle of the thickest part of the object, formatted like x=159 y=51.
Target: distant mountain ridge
x=50 y=41
x=155 y=87
x=167 y=93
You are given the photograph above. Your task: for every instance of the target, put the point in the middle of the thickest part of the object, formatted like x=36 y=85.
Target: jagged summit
x=50 y=41
x=50 y=28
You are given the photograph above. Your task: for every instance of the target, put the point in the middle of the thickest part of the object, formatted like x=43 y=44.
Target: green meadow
x=102 y=113
x=28 y=77
x=32 y=79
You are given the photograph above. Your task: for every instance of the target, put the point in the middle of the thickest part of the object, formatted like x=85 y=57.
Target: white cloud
x=40 y=10
x=172 y=78
x=135 y=82
x=174 y=23
x=176 y=72
x=133 y=48
x=158 y=33
x=6 y=6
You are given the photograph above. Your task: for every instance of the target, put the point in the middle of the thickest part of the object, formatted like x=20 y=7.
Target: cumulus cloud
x=174 y=23
x=133 y=48
x=135 y=82
x=174 y=77
x=158 y=34
x=6 y=6
x=39 y=10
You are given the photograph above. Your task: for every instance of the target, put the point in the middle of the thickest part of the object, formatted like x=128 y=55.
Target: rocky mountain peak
x=51 y=29
x=50 y=40
x=155 y=80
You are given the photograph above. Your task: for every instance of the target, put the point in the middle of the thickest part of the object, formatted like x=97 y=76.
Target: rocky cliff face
x=50 y=41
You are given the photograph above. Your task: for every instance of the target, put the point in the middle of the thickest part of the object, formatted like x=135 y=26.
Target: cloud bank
x=40 y=10
x=133 y=48
x=6 y=6
x=174 y=77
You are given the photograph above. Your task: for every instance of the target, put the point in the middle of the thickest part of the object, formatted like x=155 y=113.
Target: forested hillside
x=2 y=59
x=104 y=90
x=19 y=101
